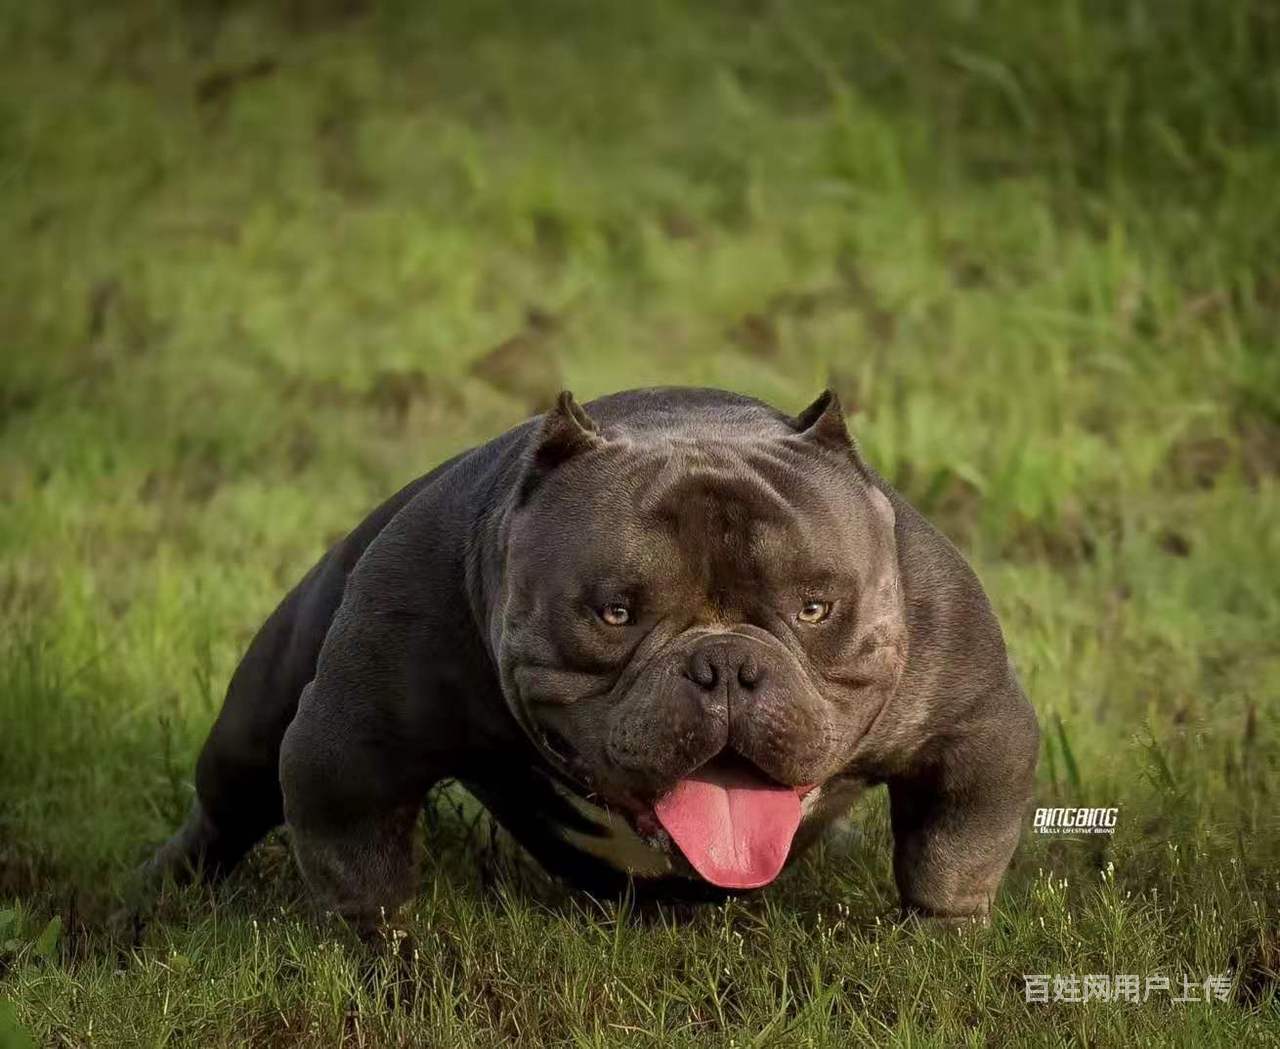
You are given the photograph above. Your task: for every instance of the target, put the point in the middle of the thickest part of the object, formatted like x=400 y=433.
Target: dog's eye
x=814 y=611
x=616 y=615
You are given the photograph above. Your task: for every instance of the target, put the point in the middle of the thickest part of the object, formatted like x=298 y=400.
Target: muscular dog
x=664 y=638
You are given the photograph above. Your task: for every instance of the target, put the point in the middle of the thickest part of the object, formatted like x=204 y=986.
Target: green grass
x=260 y=269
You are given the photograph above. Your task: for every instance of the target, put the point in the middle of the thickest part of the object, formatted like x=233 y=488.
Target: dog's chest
x=577 y=839
x=611 y=839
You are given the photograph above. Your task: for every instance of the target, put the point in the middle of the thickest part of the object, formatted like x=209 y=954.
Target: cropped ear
x=566 y=431
x=823 y=423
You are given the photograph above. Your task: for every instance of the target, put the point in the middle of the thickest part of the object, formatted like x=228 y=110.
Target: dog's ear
x=566 y=431
x=823 y=424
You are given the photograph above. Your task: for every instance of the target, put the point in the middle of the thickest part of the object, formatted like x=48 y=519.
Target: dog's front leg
x=957 y=821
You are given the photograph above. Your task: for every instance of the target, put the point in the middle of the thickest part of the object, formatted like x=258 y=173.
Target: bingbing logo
x=1076 y=821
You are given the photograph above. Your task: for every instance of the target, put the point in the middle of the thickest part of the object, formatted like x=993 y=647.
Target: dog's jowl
x=665 y=637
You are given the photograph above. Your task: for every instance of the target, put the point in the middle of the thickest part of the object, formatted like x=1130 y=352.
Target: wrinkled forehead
x=757 y=509
x=700 y=494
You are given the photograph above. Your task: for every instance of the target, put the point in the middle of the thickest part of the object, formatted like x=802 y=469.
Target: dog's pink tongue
x=734 y=827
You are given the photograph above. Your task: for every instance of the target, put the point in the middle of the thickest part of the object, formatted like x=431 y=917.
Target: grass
x=263 y=264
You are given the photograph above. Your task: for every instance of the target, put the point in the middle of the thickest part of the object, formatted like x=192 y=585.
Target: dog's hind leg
x=238 y=797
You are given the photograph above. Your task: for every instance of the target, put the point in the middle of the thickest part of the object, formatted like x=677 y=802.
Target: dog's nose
x=723 y=663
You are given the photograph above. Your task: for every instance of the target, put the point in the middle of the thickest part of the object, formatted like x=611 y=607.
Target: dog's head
x=698 y=627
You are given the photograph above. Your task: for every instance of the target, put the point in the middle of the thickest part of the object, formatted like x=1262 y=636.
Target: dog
x=666 y=638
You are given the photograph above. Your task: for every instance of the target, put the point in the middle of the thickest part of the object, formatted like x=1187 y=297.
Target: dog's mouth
x=731 y=822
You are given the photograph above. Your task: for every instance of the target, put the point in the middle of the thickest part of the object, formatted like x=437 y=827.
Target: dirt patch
x=757 y=335
x=967 y=270
x=1197 y=462
x=1068 y=541
x=1251 y=446
x=678 y=224
x=216 y=86
x=1174 y=543
x=526 y=366
x=757 y=332
x=394 y=394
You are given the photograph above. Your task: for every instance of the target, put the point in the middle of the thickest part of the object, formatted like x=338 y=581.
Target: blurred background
x=264 y=263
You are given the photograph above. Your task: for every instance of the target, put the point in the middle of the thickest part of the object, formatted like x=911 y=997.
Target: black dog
x=667 y=639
